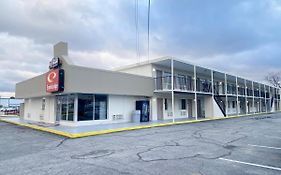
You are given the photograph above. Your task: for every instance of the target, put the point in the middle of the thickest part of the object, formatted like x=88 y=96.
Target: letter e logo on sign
x=52 y=81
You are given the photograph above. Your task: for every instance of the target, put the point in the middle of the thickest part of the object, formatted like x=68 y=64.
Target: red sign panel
x=52 y=81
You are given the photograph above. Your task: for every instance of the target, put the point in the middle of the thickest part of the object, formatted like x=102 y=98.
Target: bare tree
x=274 y=78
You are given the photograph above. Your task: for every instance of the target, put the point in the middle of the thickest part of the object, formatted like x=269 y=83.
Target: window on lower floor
x=92 y=107
x=183 y=104
x=85 y=107
x=65 y=107
x=100 y=107
x=166 y=104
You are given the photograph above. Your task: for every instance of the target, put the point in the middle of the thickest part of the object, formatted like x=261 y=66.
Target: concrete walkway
x=83 y=131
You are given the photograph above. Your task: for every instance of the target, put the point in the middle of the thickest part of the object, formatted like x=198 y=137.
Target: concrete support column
x=246 y=99
x=237 y=99
x=226 y=99
x=173 y=95
x=265 y=98
x=75 y=108
x=253 y=97
x=260 y=98
x=212 y=79
x=195 y=92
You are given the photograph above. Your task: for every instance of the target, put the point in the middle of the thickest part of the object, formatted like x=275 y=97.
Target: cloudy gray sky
x=237 y=36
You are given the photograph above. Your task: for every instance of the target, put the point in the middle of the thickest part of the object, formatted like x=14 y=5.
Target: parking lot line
x=273 y=137
x=261 y=146
x=252 y=164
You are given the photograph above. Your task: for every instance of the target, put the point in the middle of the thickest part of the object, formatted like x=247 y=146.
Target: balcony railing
x=204 y=85
x=186 y=83
x=180 y=83
x=256 y=93
x=249 y=92
x=267 y=95
x=219 y=88
x=241 y=91
x=231 y=89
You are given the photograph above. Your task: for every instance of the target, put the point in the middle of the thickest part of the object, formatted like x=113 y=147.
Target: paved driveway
x=248 y=145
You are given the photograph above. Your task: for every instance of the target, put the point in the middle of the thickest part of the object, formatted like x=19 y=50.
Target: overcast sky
x=240 y=37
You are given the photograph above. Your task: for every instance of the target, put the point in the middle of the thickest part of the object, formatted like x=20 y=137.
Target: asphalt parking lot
x=247 y=145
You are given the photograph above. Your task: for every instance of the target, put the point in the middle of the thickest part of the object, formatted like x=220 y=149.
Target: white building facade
x=162 y=89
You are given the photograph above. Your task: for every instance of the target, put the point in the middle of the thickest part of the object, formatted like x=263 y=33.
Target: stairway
x=220 y=103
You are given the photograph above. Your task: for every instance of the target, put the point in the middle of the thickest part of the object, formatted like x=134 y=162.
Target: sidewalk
x=83 y=131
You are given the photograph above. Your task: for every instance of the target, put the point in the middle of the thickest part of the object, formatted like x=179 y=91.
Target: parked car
x=9 y=110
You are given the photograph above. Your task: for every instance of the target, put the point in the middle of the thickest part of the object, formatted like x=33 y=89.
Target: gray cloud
x=237 y=36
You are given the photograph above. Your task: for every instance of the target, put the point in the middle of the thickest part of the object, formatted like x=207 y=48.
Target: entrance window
x=90 y=107
x=100 y=107
x=65 y=107
x=63 y=103
x=85 y=107
x=70 y=107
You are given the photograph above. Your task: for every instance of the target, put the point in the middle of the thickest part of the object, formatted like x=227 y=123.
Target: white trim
x=261 y=146
x=252 y=164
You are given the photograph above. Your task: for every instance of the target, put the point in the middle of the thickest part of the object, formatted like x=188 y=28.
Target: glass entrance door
x=65 y=107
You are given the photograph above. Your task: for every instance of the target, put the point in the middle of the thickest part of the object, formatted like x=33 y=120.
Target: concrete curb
x=107 y=131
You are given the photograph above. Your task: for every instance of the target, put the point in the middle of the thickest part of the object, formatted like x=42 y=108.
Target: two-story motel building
x=164 y=89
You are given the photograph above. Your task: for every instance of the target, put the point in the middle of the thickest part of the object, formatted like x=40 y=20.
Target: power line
x=137 y=29
x=148 y=28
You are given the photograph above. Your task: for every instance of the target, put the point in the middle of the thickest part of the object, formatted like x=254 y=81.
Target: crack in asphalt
x=93 y=154
x=61 y=142
x=198 y=136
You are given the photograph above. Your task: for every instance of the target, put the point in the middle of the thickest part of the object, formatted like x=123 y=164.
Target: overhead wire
x=148 y=29
x=137 y=29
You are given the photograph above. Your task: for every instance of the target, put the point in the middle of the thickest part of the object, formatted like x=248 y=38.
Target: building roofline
x=185 y=62
x=140 y=63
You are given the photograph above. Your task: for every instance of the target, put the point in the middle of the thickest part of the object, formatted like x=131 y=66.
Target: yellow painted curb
x=85 y=134
x=39 y=128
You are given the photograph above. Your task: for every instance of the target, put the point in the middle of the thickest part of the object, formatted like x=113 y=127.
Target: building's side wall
x=209 y=108
x=33 y=110
x=121 y=108
x=87 y=80
x=144 y=70
x=80 y=79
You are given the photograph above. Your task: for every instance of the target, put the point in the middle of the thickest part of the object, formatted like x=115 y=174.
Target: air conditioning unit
x=183 y=113
x=117 y=117
x=170 y=114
